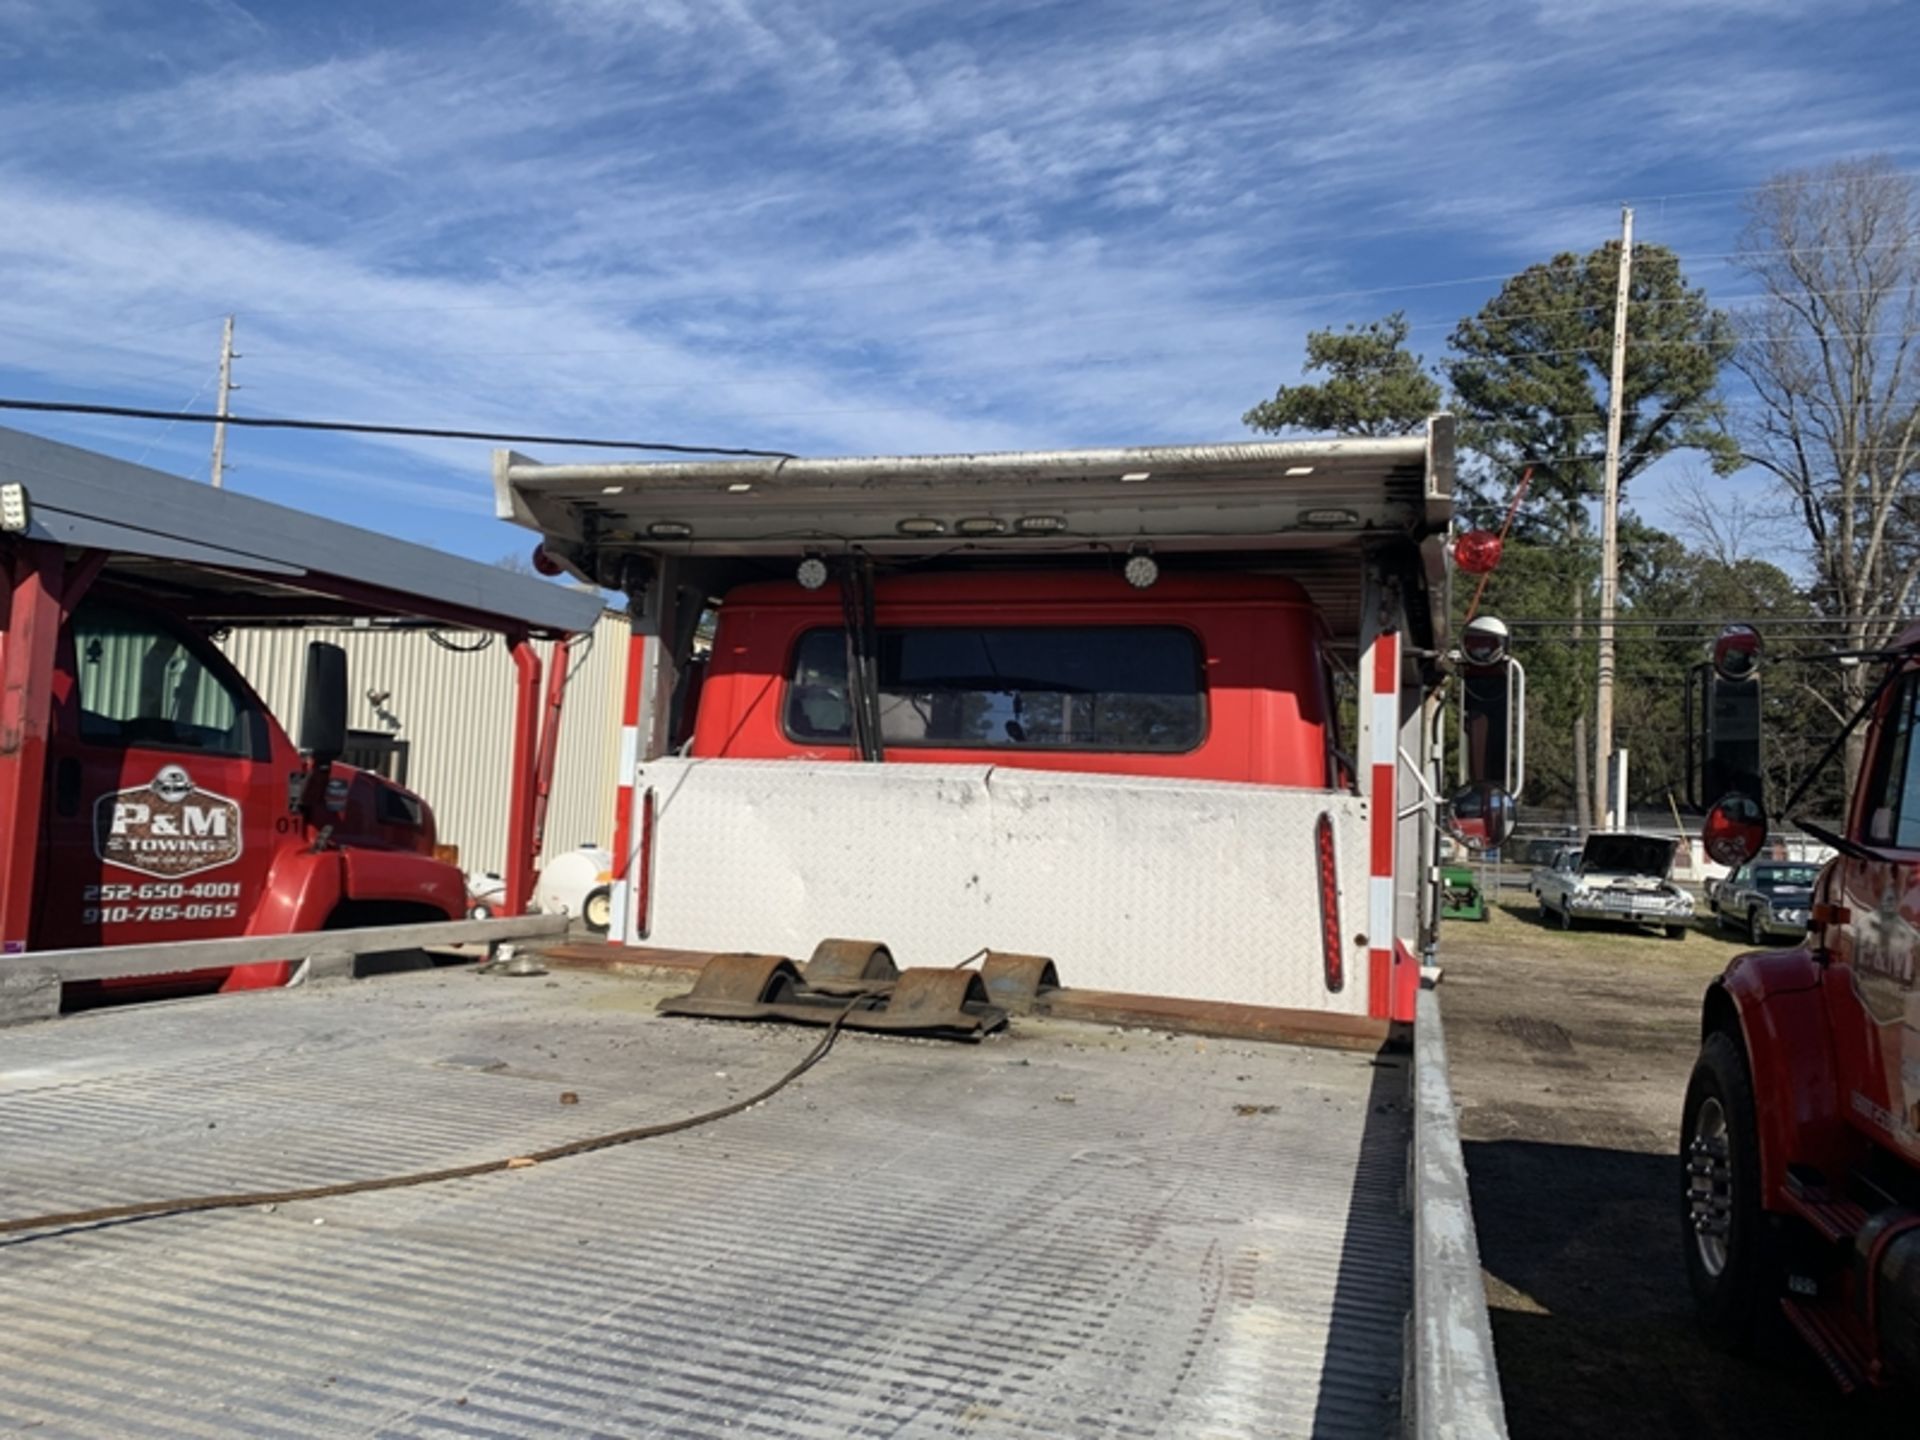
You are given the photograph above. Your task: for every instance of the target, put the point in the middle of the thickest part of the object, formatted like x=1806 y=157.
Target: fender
x=302 y=888
x=406 y=877
x=1775 y=997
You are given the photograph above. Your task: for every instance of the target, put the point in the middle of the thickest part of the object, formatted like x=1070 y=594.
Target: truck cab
x=149 y=800
x=1206 y=676
x=1801 y=1127
x=170 y=817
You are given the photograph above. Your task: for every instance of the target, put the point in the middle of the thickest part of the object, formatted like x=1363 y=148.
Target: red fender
x=1776 y=997
x=302 y=888
x=405 y=877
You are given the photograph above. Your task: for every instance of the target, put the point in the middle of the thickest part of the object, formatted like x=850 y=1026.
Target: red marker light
x=544 y=563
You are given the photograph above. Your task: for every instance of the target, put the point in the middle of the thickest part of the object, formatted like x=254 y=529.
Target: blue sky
x=840 y=227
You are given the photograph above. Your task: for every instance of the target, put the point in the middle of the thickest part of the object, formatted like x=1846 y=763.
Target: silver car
x=1614 y=879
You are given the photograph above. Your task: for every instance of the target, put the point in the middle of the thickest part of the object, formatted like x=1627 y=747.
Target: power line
x=351 y=427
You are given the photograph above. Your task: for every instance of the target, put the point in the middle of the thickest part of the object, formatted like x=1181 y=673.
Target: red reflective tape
x=1386 y=664
x=636 y=678
x=1380 y=978
x=1383 y=820
x=1406 y=983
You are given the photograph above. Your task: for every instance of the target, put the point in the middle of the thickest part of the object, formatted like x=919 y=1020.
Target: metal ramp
x=1065 y=1231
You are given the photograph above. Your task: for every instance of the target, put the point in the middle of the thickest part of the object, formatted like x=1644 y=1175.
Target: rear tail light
x=1332 y=956
x=643 y=871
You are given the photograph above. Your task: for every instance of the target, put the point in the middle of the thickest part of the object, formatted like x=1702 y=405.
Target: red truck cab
x=169 y=815
x=1801 y=1130
x=1206 y=677
x=150 y=803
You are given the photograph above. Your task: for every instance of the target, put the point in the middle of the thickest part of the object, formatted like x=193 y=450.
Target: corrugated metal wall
x=456 y=712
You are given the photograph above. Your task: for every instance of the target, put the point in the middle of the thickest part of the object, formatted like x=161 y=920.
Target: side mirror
x=1480 y=816
x=1736 y=653
x=1484 y=641
x=1735 y=830
x=323 y=703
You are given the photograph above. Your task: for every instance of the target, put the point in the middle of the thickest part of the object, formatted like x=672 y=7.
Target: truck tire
x=1564 y=917
x=1731 y=1263
x=1676 y=932
x=1756 y=932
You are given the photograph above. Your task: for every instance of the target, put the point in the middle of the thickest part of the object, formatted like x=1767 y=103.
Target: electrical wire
x=353 y=427
x=144 y=1209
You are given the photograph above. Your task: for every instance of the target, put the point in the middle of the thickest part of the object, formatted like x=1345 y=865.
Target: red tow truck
x=1800 y=1137
x=1198 y=1172
x=152 y=809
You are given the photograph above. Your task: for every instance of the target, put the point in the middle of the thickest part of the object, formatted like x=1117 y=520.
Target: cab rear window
x=1027 y=687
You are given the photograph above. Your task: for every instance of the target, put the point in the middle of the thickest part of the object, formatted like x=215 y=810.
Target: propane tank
x=568 y=878
x=1895 y=1234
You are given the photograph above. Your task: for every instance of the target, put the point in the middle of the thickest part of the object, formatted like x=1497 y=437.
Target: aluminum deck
x=1064 y=1232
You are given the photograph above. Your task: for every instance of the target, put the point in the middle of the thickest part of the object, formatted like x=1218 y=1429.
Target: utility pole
x=226 y=389
x=1612 y=807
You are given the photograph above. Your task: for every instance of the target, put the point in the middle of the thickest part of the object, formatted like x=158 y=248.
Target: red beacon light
x=1477 y=552
x=545 y=564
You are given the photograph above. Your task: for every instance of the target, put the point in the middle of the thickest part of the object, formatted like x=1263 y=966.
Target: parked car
x=1769 y=899
x=1615 y=879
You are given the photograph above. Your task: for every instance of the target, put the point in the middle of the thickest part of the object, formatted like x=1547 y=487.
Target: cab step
x=1827 y=1332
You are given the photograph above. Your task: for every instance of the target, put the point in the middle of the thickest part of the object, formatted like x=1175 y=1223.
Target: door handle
x=66 y=786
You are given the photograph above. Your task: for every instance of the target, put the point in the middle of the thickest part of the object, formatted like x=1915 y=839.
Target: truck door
x=1875 y=1008
x=160 y=792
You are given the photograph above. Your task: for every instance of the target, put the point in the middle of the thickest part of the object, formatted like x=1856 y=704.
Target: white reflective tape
x=621 y=931
x=1384 y=745
x=629 y=752
x=1380 y=912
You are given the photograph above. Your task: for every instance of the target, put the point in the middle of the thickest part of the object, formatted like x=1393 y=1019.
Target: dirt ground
x=1570 y=1056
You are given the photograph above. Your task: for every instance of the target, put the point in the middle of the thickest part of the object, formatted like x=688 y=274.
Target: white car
x=1614 y=879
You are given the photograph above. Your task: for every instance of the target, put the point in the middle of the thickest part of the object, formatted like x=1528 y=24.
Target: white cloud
x=836 y=226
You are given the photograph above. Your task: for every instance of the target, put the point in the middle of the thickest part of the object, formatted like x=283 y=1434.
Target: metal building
x=435 y=714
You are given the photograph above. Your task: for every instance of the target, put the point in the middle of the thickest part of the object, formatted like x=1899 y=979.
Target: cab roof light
x=922 y=525
x=1142 y=569
x=981 y=525
x=812 y=573
x=1040 y=524
x=670 y=530
x=1328 y=517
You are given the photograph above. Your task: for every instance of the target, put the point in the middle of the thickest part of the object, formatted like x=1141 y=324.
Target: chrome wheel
x=1710 y=1186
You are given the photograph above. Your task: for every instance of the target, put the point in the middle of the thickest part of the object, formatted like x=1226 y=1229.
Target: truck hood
x=1622 y=855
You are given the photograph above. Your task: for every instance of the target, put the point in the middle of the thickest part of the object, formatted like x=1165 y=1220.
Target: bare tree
x=1831 y=352
x=1728 y=528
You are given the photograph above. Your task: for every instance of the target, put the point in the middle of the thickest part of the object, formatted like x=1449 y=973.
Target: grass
x=1514 y=924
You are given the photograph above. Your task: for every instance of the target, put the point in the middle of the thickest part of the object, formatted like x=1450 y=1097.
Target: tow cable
x=237 y=1201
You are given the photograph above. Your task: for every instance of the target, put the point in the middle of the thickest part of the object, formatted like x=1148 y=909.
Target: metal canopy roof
x=1314 y=510
x=1254 y=495
x=234 y=558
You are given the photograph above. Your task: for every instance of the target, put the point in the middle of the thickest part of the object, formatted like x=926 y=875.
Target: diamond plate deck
x=1064 y=1232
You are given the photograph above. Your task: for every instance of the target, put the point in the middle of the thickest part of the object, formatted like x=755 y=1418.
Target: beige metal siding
x=456 y=711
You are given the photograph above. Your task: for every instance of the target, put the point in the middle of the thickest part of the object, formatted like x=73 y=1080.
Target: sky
x=838 y=227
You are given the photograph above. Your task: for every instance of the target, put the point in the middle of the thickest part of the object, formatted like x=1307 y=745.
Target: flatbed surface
x=1065 y=1231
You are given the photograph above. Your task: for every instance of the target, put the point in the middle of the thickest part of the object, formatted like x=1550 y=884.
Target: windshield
x=1785 y=877
x=1058 y=687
